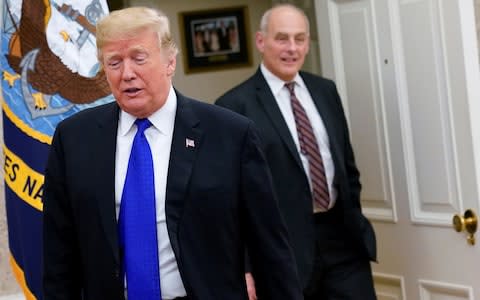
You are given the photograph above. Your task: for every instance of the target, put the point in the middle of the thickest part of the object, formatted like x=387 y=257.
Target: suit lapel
x=267 y=101
x=104 y=152
x=182 y=158
x=321 y=102
x=185 y=142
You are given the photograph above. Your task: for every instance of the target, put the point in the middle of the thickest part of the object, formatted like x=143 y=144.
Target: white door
x=408 y=73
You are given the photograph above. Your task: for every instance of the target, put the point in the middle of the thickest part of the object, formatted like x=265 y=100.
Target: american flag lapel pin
x=189 y=143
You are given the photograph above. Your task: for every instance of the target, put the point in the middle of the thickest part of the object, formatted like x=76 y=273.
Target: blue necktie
x=137 y=221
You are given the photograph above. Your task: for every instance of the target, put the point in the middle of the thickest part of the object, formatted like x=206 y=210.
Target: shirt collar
x=276 y=84
x=163 y=119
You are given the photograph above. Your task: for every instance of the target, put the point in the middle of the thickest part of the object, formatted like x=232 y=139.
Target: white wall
x=13 y=297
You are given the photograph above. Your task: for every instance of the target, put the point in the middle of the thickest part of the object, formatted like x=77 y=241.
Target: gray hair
x=266 y=16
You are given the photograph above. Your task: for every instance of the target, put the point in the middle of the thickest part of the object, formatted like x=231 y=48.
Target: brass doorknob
x=468 y=223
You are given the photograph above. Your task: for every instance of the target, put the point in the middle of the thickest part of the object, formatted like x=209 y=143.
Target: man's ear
x=171 y=65
x=259 y=41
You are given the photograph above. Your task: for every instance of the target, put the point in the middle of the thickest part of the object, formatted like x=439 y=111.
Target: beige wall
x=208 y=86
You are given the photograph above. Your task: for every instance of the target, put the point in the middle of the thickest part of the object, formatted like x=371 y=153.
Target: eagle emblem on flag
x=52 y=52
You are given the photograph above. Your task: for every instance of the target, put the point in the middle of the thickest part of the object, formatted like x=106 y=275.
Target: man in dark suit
x=212 y=199
x=223 y=37
x=306 y=141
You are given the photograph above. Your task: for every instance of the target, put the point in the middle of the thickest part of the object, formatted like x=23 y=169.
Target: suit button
x=116 y=273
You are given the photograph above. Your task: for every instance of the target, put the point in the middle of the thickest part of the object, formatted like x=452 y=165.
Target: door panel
x=433 y=121
x=358 y=79
x=408 y=74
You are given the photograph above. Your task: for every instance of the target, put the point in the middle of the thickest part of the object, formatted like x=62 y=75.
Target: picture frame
x=215 y=39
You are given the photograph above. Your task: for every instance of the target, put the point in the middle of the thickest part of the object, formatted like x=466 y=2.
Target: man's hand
x=252 y=293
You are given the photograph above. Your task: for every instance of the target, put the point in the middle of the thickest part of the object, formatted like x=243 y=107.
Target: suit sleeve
x=272 y=262
x=61 y=271
x=230 y=102
x=353 y=175
x=357 y=221
x=226 y=102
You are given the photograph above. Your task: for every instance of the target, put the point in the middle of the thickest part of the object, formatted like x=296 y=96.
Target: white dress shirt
x=159 y=137
x=282 y=96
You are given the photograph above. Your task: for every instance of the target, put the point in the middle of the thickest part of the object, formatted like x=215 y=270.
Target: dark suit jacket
x=254 y=99
x=219 y=200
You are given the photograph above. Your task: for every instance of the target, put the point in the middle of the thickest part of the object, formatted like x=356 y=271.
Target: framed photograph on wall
x=215 y=39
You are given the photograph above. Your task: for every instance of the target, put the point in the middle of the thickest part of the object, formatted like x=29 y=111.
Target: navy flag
x=49 y=72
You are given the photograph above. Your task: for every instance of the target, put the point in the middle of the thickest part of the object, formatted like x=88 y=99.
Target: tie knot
x=291 y=87
x=142 y=124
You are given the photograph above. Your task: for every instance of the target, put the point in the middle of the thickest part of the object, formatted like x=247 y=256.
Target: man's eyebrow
x=289 y=34
x=137 y=48
x=111 y=56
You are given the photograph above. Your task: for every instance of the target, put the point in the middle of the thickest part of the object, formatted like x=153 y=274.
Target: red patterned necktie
x=309 y=148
